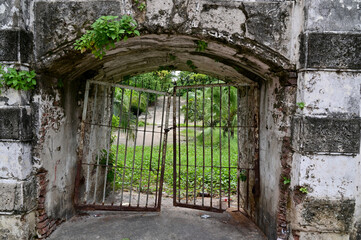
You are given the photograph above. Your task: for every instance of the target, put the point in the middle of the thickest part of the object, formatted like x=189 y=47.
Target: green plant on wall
x=303 y=190
x=201 y=46
x=286 y=180
x=19 y=80
x=105 y=32
x=140 y=5
x=191 y=65
x=301 y=105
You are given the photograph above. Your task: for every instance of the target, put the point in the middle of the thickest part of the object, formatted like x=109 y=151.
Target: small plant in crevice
x=201 y=46
x=303 y=190
x=105 y=32
x=286 y=180
x=140 y=5
x=60 y=83
x=301 y=105
x=172 y=57
x=19 y=80
x=191 y=65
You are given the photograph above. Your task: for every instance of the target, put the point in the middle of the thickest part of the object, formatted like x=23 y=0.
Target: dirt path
x=145 y=134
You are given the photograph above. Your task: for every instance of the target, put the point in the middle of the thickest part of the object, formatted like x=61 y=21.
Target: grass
x=195 y=166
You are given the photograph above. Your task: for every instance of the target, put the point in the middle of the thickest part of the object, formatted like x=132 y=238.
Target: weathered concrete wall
x=248 y=41
x=258 y=48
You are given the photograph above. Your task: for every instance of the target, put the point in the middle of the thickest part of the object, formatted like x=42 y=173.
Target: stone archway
x=249 y=46
x=148 y=53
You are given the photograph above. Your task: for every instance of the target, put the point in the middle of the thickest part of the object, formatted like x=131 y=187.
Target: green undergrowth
x=146 y=167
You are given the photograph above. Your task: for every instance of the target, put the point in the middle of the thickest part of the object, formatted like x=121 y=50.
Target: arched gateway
x=303 y=102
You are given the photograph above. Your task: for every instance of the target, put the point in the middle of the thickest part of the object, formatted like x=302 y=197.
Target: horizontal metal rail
x=213 y=85
x=129 y=87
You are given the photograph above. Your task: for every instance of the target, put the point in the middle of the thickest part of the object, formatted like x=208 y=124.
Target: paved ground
x=171 y=224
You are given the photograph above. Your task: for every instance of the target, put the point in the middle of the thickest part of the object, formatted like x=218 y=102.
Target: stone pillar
x=17 y=180
x=326 y=131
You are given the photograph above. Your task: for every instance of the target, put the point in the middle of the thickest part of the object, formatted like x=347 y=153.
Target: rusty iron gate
x=122 y=158
x=213 y=152
x=113 y=172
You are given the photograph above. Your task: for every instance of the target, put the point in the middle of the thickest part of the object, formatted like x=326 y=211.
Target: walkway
x=171 y=224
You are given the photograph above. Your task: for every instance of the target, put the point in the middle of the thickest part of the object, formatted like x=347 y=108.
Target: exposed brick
x=42 y=218
x=42 y=224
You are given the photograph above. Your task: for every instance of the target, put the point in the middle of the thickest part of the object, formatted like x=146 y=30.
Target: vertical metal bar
x=151 y=149
x=211 y=203
x=126 y=147
x=229 y=147
x=160 y=150
x=187 y=181
x=204 y=162
x=117 y=152
x=174 y=146
x=91 y=140
x=246 y=136
x=239 y=147
x=220 y=147
x=96 y=177
x=81 y=145
x=179 y=152
x=247 y=192
x=135 y=148
x=144 y=135
x=195 y=147
x=109 y=143
x=164 y=154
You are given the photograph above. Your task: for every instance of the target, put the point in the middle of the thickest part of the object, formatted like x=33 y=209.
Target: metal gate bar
x=184 y=163
x=132 y=173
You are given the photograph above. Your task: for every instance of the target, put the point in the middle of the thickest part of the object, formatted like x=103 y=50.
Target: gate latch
x=166 y=130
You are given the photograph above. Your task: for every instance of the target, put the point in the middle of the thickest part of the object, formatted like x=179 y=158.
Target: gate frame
x=80 y=154
x=256 y=163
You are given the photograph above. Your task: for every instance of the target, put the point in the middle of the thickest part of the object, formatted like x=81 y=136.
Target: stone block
x=9 y=45
x=326 y=134
x=60 y=22
x=322 y=236
x=26 y=46
x=15 y=227
x=16 y=160
x=333 y=50
x=325 y=92
x=8 y=14
x=12 y=97
x=319 y=215
x=323 y=175
x=356 y=233
x=7 y=196
x=326 y=15
x=15 y=123
x=17 y=196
